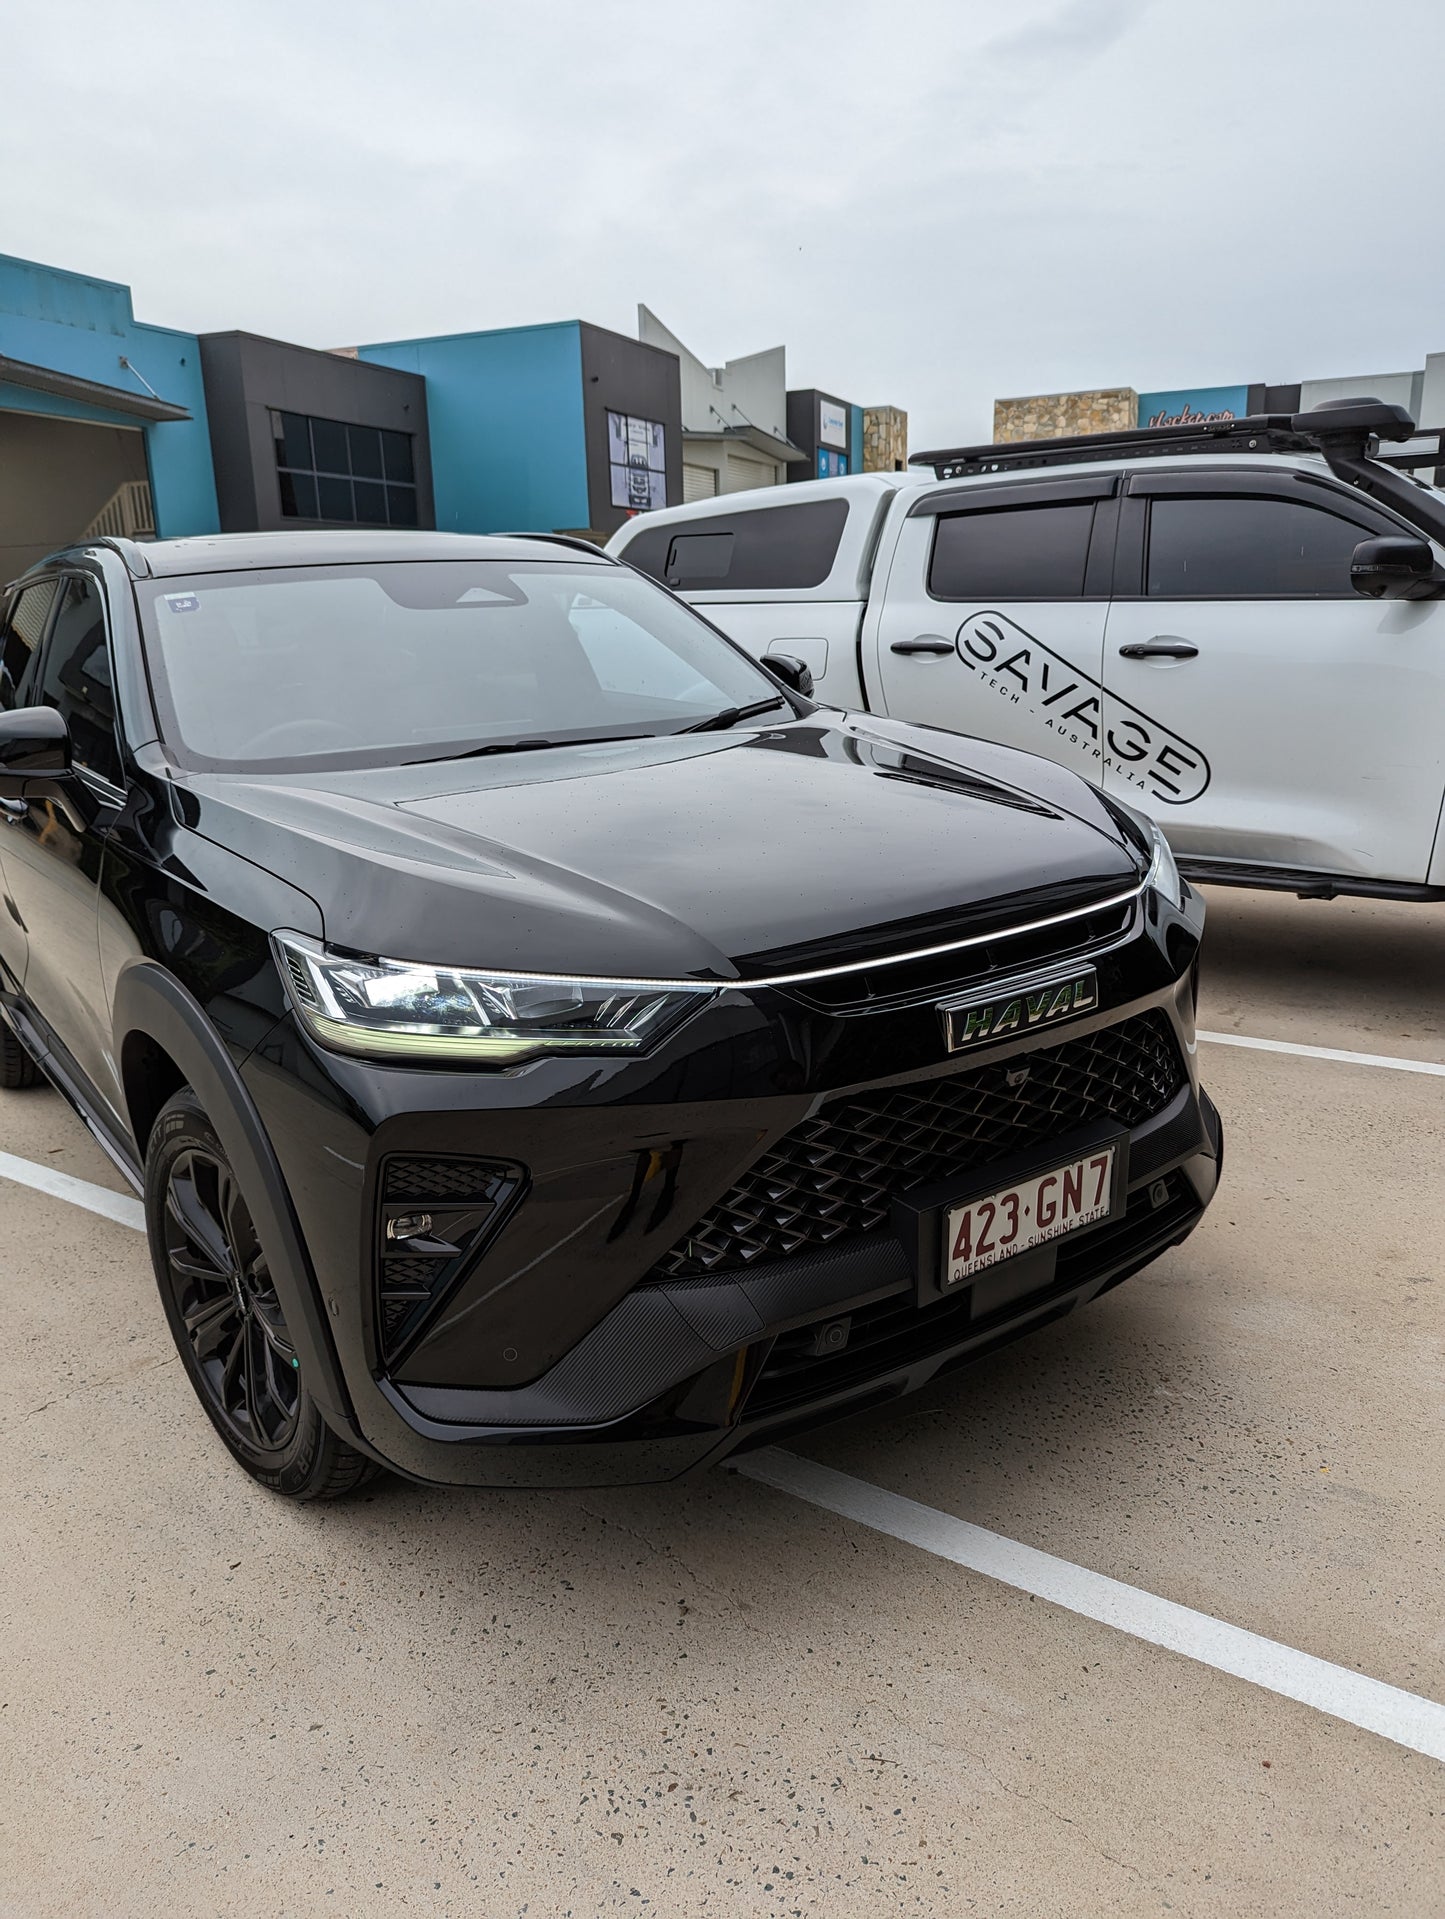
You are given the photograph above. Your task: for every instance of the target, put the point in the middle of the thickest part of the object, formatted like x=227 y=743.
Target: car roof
x=843 y=486
x=240 y=552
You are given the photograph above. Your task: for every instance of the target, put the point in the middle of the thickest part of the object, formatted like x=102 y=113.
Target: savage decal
x=1123 y=740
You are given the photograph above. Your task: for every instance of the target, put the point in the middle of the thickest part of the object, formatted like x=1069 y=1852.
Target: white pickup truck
x=1237 y=626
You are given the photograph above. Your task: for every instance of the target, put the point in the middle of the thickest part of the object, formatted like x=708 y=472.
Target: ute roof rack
x=1349 y=425
x=1347 y=432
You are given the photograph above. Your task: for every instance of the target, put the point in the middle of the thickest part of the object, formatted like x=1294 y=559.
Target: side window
x=699 y=559
x=1230 y=547
x=1012 y=553
x=768 y=549
x=75 y=678
x=21 y=636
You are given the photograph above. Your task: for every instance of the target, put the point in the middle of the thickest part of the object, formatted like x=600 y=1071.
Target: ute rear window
x=767 y=549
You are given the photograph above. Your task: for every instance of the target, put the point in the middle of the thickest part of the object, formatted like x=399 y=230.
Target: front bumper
x=569 y=1351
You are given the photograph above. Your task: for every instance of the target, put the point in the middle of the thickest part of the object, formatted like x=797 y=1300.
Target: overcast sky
x=929 y=202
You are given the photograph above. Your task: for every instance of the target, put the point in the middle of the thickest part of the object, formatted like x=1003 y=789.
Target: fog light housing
x=436 y=1216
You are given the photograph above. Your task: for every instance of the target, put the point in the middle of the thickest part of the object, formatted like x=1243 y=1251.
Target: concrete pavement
x=717 y=1699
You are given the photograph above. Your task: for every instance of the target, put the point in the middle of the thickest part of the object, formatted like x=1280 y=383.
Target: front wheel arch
x=162 y=1029
x=148 y=1077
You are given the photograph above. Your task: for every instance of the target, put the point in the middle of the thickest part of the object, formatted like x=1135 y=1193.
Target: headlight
x=1163 y=874
x=1163 y=871
x=392 y=1009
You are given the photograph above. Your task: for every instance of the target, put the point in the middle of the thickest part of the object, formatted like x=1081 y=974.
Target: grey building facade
x=303 y=438
x=632 y=404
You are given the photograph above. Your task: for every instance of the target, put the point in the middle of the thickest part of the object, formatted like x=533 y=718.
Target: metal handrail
x=128 y=514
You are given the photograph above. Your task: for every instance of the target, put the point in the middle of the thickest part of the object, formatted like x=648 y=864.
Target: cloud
x=925 y=208
x=1080 y=28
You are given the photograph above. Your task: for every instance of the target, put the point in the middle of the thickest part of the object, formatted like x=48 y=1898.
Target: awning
x=768 y=444
x=69 y=386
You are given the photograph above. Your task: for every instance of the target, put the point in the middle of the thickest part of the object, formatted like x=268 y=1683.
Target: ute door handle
x=1161 y=647
x=924 y=643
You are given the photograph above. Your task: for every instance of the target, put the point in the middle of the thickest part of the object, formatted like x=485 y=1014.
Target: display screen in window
x=637 y=461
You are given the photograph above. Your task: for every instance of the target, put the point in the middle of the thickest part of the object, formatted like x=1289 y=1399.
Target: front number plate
x=1026 y=1214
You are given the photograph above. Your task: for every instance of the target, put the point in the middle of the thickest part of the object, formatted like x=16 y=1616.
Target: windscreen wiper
x=730 y=715
x=525 y=746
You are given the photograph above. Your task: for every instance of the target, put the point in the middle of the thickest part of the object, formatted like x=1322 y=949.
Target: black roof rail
x=1349 y=425
x=131 y=551
x=564 y=539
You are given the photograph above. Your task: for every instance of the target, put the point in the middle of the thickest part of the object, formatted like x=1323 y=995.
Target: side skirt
x=1304 y=883
x=56 y=1065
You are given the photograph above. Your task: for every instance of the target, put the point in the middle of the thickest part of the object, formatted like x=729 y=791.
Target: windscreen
x=320 y=667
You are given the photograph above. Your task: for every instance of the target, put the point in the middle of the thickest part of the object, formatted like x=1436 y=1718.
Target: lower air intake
x=463 y=1203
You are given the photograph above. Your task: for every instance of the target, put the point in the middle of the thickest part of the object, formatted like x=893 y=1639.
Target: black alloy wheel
x=226 y=1316
x=227 y=1302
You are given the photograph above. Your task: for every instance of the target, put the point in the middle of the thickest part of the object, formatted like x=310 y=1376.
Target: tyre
x=17 y=1068
x=225 y=1316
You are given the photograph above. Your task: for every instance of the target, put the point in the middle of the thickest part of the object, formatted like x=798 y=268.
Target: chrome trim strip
x=952 y=946
x=784 y=979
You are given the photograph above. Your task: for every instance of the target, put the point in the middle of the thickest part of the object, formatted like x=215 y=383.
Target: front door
x=52 y=843
x=1258 y=707
x=991 y=618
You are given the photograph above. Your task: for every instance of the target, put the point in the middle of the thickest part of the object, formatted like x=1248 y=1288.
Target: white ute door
x=1257 y=706
x=992 y=615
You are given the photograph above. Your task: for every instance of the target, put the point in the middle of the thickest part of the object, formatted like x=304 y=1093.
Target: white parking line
x=1403 y=1717
x=80 y=1192
x=1326 y=1052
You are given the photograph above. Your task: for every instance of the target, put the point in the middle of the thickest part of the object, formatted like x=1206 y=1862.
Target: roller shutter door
x=744 y=473
x=698 y=482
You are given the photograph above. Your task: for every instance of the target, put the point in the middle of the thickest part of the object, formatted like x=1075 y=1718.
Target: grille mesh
x=834 y=1176
x=441 y=1178
x=399 y=1275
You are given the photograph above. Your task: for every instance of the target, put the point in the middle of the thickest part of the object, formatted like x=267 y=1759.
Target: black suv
x=552 y=1049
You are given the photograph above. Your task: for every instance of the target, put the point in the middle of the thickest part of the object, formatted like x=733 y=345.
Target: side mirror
x=34 y=744
x=1394 y=568
x=788 y=668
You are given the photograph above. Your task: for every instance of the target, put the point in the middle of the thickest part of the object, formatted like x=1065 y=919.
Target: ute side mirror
x=1395 y=568
x=792 y=671
x=34 y=744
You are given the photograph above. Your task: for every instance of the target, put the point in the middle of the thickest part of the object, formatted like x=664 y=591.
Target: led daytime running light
x=398 y=1009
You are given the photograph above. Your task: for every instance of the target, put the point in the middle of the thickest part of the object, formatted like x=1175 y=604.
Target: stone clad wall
x=885 y=439
x=1054 y=416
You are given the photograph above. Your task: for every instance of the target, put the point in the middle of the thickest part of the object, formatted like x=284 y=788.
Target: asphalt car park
x=721 y=1696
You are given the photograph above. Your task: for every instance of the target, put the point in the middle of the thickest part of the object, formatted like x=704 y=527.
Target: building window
x=359 y=475
x=831 y=465
x=637 y=462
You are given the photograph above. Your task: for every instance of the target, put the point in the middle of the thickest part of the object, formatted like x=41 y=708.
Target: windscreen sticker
x=1070 y=704
x=183 y=602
